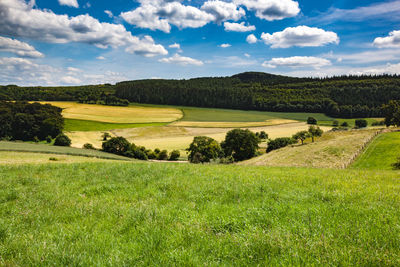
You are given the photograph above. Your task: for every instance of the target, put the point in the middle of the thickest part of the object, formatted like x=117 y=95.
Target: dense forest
x=25 y=121
x=343 y=96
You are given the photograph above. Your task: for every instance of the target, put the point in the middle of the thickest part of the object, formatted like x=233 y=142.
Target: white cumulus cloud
x=271 y=9
x=20 y=19
x=223 y=10
x=251 y=39
x=300 y=36
x=19 y=48
x=225 y=45
x=296 y=62
x=181 y=60
x=109 y=13
x=393 y=40
x=238 y=27
x=71 y=3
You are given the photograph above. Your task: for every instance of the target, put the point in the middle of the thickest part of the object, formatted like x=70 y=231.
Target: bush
x=151 y=154
x=263 y=135
x=335 y=123
x=312 y=120
x=48 y=139
x=396 y=166
x=88 y=146
x=175 y=154
x=345 y=124
x=62 y=140
x=315 y=132
x=116 y=145
x=378 y=123
x=240 y=144
x=203 y=149
x=279 y=143
x=163 y=155
x=139 y=154
x=36 y=139
x=361 y=123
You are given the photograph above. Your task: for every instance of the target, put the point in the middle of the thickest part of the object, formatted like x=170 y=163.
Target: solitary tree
x=315 y=132
x=241 y=144
x=302 y=135
x=361 y=123
x=62 y=140
x=203 y=149
x=312 y=120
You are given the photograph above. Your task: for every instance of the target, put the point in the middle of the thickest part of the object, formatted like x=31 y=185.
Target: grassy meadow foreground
x=179 y=214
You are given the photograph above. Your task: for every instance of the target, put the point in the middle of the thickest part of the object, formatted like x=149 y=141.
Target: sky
x=76 y=42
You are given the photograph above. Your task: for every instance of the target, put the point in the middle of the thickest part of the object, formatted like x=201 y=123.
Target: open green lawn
x=82 y=125
x=381 y=153
x=125 y=214
x=49 y=149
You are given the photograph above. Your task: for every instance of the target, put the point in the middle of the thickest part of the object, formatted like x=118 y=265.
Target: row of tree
x=29 y=122
x=346 y=96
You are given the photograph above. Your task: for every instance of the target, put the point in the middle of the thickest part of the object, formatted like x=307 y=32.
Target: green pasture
x=125 y=214
x=351 y=122
x=381 y=153
x=83 y=125
x=49 y=149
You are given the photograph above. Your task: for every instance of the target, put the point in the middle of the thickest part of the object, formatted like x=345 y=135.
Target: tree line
x=29 y=122
x=345 y=96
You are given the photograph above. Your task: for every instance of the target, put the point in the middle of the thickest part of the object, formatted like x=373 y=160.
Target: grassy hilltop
x=179 y=214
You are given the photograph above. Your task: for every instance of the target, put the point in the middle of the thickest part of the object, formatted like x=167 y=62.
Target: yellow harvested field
x=111 y=114
x=213 y=124
x=173 y=137
x=11 y=157
x=332 y=150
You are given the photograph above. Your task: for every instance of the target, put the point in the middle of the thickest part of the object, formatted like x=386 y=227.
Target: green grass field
x=82 y=125
x=233 y=115
x=381 y=153
x=49 y=149
x=125 y=214
x=351 y=122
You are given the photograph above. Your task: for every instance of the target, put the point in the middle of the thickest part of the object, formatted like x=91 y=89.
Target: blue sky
x=72 y=42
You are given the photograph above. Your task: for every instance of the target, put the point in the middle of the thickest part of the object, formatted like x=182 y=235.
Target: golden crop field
x=112 y=114
x=173 y=137
x=332 y=150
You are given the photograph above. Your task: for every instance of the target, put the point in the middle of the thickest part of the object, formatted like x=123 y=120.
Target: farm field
x=381 y=153
x=332 y=150
x=49 y=149
x=112 y=114
x=82 y=125
x=173 y=137
x=13 y=157
x=180 y=214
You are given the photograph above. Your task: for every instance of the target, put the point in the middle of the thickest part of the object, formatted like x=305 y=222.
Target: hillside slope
x=332 y=150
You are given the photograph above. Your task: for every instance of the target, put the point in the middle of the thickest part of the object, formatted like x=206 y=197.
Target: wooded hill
x=344 y=96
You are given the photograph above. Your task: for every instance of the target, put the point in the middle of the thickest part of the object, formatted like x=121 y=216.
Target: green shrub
x=279 y=143
x=163 y=155
x=49 y=139
x=174 y=155
x=361 y=123
x=240 y=144
x=345 y=124
x=203 y=149
x=116 y=145
x=335 y=123
x=151 y=154
x=396 y=166
x=36 y=139
x=62 y=140
x=88 y=146
x=312 y=120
